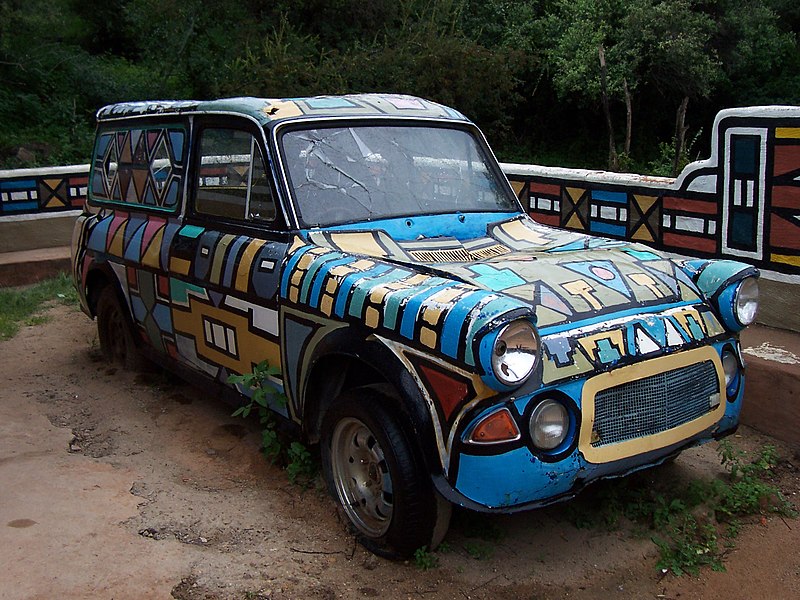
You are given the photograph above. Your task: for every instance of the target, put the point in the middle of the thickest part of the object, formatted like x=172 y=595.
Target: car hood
x=565 y=276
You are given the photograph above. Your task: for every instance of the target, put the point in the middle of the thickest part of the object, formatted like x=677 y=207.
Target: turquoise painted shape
x=496 y=279
x=191 y=231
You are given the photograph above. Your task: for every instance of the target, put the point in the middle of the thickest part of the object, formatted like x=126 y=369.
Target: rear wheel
x=377 y=476
x=115 y=331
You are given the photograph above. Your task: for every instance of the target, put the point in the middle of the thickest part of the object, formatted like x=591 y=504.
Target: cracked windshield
x=364 y=173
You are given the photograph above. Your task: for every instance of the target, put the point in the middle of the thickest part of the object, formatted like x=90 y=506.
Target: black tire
x=377 y=476
x=115 y=331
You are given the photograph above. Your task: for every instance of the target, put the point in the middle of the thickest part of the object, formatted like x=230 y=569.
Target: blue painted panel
x=615 y=197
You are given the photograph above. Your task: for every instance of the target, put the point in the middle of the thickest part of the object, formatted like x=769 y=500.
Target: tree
x=589 y=61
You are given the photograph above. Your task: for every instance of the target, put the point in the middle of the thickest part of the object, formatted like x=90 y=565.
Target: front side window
x=369 y=172
x=233 y=181
x=142 y=166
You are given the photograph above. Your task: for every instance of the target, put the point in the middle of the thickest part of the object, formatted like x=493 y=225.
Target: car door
x=225 y=260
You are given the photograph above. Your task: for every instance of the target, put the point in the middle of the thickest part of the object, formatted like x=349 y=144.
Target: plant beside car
x=441 y=346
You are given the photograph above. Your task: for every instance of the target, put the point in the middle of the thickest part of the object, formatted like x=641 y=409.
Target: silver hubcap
x=361 y=476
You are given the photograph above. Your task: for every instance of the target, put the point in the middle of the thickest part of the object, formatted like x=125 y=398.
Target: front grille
x=654 y=404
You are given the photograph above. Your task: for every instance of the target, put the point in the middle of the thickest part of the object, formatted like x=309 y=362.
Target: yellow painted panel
x=575 y=223
x=179 y=266
x=615 y=336
x=644 y=202
x=219 y=257
x=786 y=259
x=282 y=109
x=327 y=305
x=117 y=247
x=519 y=231
x=361 y=243
x=251 y=347
x=580 y=364
x=152 y=256
x=575 y=193
x=642 y=234
x=640 y=371
x=54 y=203
x=517 y=187
x=372 y=317
x=243 y=271
x=427 y=337
x=787 y=132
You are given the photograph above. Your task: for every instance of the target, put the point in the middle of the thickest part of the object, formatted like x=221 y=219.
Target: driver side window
x=233 y=181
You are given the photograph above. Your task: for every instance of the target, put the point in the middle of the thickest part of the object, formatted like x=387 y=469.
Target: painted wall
x=44 y=190
x=742 y=202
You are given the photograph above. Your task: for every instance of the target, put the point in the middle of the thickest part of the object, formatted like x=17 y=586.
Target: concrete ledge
x=772 y=387
x=31 y=232
x=32 y=266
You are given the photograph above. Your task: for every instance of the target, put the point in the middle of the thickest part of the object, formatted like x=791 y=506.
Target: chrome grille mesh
x=654 y=404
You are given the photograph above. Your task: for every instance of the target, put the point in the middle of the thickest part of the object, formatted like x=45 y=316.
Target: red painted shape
x=163 y=286
x=154 y=224
x=786 y=159
x=785 y=196
x=689 y=242
x=87 y=261
x=84 y=180
x=784 y=233
x=554 y=220
x=545 y=189
x=702 y=207
x=131 y=273
x=116 y=222
x=449 y=391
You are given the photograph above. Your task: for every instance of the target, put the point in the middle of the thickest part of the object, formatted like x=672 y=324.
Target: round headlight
x=746 y=301
x=549 y=424
x=515 y=352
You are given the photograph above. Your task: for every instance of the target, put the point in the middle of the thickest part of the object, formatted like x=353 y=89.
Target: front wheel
x=378 y=477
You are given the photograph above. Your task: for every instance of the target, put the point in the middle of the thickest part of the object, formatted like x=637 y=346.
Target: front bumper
x=518 y=478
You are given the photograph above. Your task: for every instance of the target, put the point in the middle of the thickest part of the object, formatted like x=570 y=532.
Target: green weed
x=479 y=550
x=301 y=467
x=425 y=560
x=693 y=524
x=22 y=305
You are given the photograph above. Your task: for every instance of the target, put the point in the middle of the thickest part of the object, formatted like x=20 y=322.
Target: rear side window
x=233 y=180
x=142 y=166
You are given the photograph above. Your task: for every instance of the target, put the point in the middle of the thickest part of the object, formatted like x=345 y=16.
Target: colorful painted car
x=442 y=347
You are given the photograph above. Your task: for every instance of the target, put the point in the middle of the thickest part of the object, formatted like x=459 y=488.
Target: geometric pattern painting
x=742 y=202
x=140 y=166
x=32 y=191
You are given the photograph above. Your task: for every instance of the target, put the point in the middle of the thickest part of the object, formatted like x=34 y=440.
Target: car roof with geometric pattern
x=270 y=111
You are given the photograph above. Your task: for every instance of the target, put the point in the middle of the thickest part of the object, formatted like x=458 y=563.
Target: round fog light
x=730 y=366
x=549 y=424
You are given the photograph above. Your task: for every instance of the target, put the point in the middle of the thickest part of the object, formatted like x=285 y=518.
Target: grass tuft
x=22 y=305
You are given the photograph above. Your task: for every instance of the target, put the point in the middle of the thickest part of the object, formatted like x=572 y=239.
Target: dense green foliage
x=527 y=71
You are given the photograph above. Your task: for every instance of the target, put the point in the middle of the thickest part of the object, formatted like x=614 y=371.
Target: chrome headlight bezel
x=547 y=417
x=515 y=353
x=745 y=301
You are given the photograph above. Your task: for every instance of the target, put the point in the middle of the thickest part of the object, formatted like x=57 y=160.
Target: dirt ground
x=128 y=486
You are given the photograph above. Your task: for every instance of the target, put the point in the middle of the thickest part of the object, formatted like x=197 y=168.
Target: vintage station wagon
x=441 y=346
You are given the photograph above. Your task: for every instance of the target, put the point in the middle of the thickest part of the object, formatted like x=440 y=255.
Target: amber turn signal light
x=497 y=427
